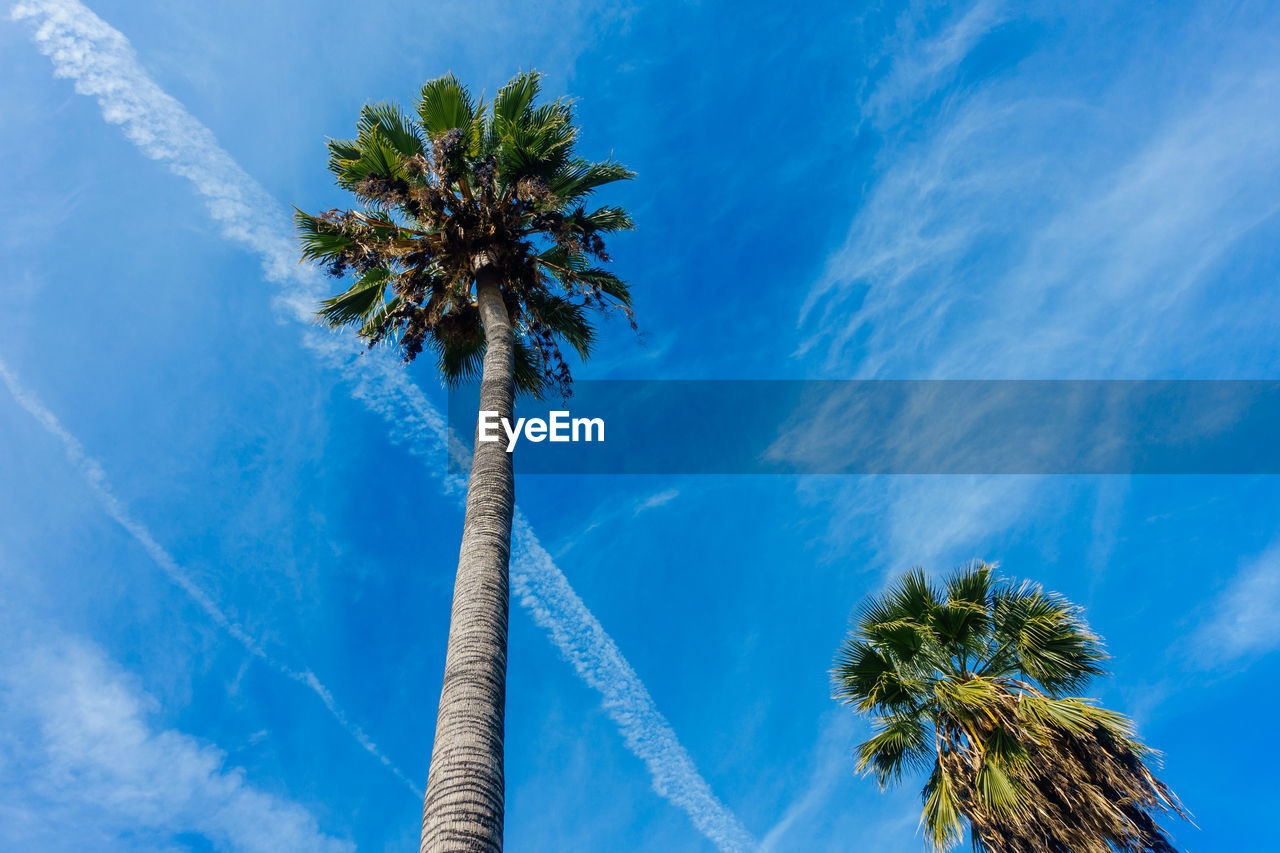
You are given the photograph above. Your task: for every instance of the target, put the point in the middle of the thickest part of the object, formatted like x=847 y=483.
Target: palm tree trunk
x=464 y=802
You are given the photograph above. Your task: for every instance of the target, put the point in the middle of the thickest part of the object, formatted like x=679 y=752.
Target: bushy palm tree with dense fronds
x=472 y=241
x=971 y=682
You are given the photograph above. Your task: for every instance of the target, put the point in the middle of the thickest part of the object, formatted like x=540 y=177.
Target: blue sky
x=227 y=545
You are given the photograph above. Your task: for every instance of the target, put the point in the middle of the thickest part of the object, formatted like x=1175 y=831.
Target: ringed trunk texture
x=464 y=802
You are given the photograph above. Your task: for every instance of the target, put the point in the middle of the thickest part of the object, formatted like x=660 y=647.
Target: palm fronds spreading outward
x=969 y=683
x=460 y=186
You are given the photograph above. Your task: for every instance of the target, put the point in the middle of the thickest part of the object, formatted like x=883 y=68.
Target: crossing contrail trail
x=96 y=477
x=101 y=63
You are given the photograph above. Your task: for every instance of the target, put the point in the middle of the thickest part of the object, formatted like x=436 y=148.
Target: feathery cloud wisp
x=922 y=66
x=1030 y=226
x=101 y=63
x=1031 y=231
x=654 y=501
x=1244 y=615
x=90 y=760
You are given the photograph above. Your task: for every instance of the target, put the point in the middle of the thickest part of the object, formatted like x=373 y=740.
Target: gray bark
x=464 y=803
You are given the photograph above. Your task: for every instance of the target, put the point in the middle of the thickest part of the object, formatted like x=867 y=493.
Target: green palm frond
x=515 y=100
x=1000 y=794
x=460 y=361
x=530 y=372
x=902 y=639
x=941 y=820
x=965 y=698
x=562 y=317
x=574 y=273
x=901 y=743
x=913 y=597
x=1066 y=713
x=964 y=618
x=343 y=149
x=321 y=240
x=1004 y=748
x=394 y=126
x=867 y=678
x=578 y=179
x=377 y=158
x=379 y=317
x=445 y=104
x=607 y=220
x=607 y=283
x=460 y=358
x=1044 y=637
x=359 y=303
x=536 y=146
x=559 y=258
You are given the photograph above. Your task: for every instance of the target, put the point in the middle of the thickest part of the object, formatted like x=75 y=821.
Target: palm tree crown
x=970 y=681
x=461 y=185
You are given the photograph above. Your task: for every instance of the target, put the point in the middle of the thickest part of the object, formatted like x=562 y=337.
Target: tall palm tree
x=471 y=241
x=970 y=681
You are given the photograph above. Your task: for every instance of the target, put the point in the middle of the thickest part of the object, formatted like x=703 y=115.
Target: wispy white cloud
x=612 y=511
x=96 y=478
x=1243 y=619
x=838 y=809
x=832 y=759
x=932 y=521
x=83 y=768
x=102 y=65
x=1032 y=227
x=656 y=500
x=1024 y=234
x=922 y=65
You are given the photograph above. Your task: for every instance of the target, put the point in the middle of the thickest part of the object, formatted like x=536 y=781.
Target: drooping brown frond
x=1084 y=789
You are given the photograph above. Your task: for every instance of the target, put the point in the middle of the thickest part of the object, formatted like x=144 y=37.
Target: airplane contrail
x=101 y=63
x=96 y=477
